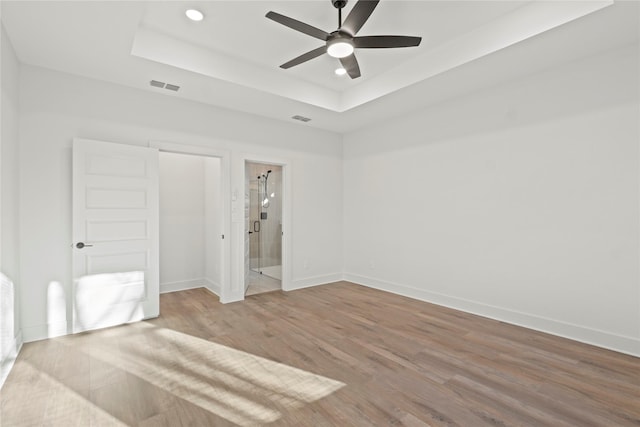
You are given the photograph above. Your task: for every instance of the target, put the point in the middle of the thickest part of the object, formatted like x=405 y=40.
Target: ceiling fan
x=342 y=42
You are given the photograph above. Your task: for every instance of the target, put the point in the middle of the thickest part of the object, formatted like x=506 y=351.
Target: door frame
x=286 y=213
x=224 y=156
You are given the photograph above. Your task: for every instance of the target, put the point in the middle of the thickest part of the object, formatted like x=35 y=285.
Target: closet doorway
x=263 y=226
x=193 y=191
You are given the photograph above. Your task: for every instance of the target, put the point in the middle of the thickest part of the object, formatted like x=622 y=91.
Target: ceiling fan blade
x=350 y=63
x=376 y=42
x=358 y=16
x=298 y=26
x=304 y=57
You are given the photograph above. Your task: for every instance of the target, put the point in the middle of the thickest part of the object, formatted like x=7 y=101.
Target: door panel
x=117 y=198
x=115 y=215
x=109 y=231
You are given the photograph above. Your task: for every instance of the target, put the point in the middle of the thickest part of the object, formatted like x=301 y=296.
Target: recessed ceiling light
x=340 y=71
x=194 y=15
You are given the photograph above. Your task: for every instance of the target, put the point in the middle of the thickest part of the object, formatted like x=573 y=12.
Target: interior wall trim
x=308 y=282
x=182 y=285
x=212 y=286
x=44 y=331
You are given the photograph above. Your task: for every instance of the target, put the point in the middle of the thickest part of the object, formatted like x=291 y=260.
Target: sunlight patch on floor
x=62 y=404
x=238 y=386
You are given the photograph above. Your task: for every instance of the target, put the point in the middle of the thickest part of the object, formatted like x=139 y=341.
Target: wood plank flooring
x=333 y=355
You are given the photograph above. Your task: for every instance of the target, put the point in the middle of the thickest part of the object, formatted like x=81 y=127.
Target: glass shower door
x=255 y=252
x=264 y=216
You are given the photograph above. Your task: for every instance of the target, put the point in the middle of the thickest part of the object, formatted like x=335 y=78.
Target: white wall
x=519 y=203
x=55 y=107
x=10 y=338
x=182 y=221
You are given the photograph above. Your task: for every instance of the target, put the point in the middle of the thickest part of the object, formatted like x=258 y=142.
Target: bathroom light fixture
x=340 y=47
x=194 y=15
x=340 y=71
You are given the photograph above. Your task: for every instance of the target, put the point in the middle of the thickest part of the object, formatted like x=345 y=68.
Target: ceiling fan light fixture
x=194 y=15
x=339 y=48
x=340 y=71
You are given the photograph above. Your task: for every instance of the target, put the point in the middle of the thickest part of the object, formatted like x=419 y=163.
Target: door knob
x=81 y=245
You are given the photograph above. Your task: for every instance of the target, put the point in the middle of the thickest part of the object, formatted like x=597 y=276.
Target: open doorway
x=191 y=222
x=263 y=227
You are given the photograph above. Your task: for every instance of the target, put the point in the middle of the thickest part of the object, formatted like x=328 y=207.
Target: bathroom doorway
x=263 y=226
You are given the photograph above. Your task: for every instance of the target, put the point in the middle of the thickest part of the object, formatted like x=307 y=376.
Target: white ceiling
x=231 y=58
x=265 y=43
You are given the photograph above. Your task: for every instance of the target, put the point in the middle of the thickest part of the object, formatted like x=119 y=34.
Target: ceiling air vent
x=301 y=118
x=169 y=86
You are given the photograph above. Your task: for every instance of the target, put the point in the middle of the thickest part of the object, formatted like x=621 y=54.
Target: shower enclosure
x=265 y=220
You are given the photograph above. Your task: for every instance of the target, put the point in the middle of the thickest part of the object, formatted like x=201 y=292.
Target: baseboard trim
x=181 y=285
x=231 y=297
x=308 y=282
x=619 y=343
x=7 y=363
x=212 y=286
x=45 y=331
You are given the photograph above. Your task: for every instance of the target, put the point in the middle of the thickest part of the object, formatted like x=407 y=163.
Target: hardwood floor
x=334 y=355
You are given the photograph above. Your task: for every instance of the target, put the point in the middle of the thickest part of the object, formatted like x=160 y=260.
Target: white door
x=115 y=234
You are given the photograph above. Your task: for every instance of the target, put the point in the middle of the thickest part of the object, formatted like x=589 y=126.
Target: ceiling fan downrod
x=339 y=4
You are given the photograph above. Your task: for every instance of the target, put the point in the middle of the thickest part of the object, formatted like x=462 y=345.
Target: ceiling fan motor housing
x=339 y=4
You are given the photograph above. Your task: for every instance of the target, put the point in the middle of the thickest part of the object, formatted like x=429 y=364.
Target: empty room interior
x=320 y=213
